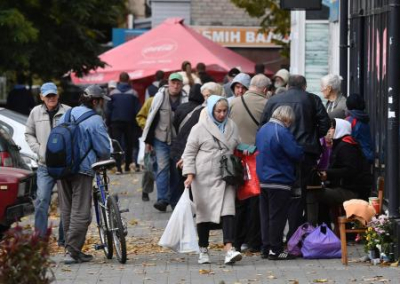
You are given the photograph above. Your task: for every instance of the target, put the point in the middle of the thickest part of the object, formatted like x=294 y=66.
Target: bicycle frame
x=102 y=187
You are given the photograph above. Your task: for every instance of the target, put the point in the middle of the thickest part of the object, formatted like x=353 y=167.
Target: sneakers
x=280 y=256
x=161 y=206
x=81 y=257
x=204 y=257
x=145 y=196
x=232 y=256
x=69 y=259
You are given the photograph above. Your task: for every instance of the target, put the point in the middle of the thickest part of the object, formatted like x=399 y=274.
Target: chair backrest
x=380 y=187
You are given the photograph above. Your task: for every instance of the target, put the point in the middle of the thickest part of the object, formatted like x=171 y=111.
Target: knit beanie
x=355 y=101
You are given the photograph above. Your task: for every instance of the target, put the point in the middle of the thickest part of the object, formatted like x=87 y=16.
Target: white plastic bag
x=142 y=147
x=180 y=233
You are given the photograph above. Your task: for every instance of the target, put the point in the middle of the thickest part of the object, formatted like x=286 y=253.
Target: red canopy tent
x=165 y=48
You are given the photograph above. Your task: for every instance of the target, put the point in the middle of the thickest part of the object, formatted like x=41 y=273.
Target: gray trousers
x=75 y=198
x=326 y=197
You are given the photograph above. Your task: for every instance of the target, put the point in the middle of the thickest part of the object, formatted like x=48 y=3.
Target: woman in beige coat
x=214 y=199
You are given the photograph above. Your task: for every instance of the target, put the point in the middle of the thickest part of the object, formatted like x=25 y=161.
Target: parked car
x=15 y=196
x=17 y=183
x=14 y=123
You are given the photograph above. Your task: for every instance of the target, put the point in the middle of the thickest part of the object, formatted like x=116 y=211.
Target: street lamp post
x=392 y=138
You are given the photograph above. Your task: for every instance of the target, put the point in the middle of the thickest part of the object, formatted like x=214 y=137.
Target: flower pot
x=373 y=253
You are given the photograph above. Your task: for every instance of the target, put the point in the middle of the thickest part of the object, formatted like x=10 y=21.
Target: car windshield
x=14 y=115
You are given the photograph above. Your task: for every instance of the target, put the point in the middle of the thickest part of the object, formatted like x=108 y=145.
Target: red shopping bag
x=251 y=186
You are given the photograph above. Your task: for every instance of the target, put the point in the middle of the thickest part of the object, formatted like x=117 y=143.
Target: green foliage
x=273 y=19
x=49 y=38
x=25 y=258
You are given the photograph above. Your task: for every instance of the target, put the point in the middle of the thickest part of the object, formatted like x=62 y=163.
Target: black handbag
x=231 y=168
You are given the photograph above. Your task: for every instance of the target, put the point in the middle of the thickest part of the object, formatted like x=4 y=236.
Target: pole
x=343 y=43
x=392 y=153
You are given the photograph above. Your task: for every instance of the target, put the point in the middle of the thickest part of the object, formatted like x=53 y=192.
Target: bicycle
x=112 y=229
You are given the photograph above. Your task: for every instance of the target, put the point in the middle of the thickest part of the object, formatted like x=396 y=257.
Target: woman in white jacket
x=213 y=136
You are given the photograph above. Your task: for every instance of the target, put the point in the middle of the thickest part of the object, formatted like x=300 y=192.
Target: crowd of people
x=188 y=122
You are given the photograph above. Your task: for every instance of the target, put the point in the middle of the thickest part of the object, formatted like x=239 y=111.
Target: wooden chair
x=343 y=221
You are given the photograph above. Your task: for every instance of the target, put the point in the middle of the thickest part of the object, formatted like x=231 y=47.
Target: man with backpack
x=41 y=120
x=75 y=184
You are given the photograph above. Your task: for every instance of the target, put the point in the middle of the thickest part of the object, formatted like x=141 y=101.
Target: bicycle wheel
x=117 y=229
x=104 y=232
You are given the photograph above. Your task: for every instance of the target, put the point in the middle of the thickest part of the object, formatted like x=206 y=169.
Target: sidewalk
x=148 y=263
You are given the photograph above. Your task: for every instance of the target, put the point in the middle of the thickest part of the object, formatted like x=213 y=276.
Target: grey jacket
x=337 y=109
x=246 y=126
x=38 y=128
x=155 y=107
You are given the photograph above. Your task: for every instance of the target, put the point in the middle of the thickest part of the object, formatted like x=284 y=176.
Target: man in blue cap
x=40 y=122
x=159 y=133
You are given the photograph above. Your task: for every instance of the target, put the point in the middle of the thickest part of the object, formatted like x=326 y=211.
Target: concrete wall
x=220 y=13
x=137 y=8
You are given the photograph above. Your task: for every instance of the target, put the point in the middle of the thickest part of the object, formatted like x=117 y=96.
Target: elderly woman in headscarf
x=215 y=135
x=347 y=177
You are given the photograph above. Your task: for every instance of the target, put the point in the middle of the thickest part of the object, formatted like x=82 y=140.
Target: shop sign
x=239 y=36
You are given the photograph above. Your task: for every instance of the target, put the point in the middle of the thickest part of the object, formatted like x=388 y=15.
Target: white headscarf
x=343 y=128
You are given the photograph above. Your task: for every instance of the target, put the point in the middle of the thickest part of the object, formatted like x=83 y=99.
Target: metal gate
x=368 y=63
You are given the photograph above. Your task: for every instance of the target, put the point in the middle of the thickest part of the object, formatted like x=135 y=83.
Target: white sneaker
x=232 y=256
x=204 y=257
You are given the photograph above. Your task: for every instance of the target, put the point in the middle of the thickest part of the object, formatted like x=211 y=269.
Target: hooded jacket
x=241 y=78
x=361 y=132
x=348 y=168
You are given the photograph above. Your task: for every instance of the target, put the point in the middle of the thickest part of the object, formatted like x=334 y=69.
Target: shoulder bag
x=231 y=168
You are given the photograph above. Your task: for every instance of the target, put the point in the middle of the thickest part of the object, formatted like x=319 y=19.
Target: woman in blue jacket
x=278 y=154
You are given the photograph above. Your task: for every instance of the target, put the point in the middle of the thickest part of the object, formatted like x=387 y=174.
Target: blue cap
x=48 y=88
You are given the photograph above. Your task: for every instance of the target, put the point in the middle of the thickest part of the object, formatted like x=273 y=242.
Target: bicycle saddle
x=106 y=164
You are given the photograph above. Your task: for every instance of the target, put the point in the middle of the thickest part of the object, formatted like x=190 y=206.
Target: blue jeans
x=166 y=173
x=45 y=184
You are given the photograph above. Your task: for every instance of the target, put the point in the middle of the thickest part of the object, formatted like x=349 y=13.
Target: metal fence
x=368 y=64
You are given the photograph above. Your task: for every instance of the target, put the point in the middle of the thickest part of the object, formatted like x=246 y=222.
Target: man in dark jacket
x=311 y=123
x=121 y=114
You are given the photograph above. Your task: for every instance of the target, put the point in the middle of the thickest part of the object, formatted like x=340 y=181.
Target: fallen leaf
x=271 y=277
x=204 y=271
x=375 y=278
x=293 y=281
x=320 y=280
x=133 y=222
x=395 y=264
x=66 y=269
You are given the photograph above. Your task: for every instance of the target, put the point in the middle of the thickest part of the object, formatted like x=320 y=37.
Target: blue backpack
x=62 y=150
